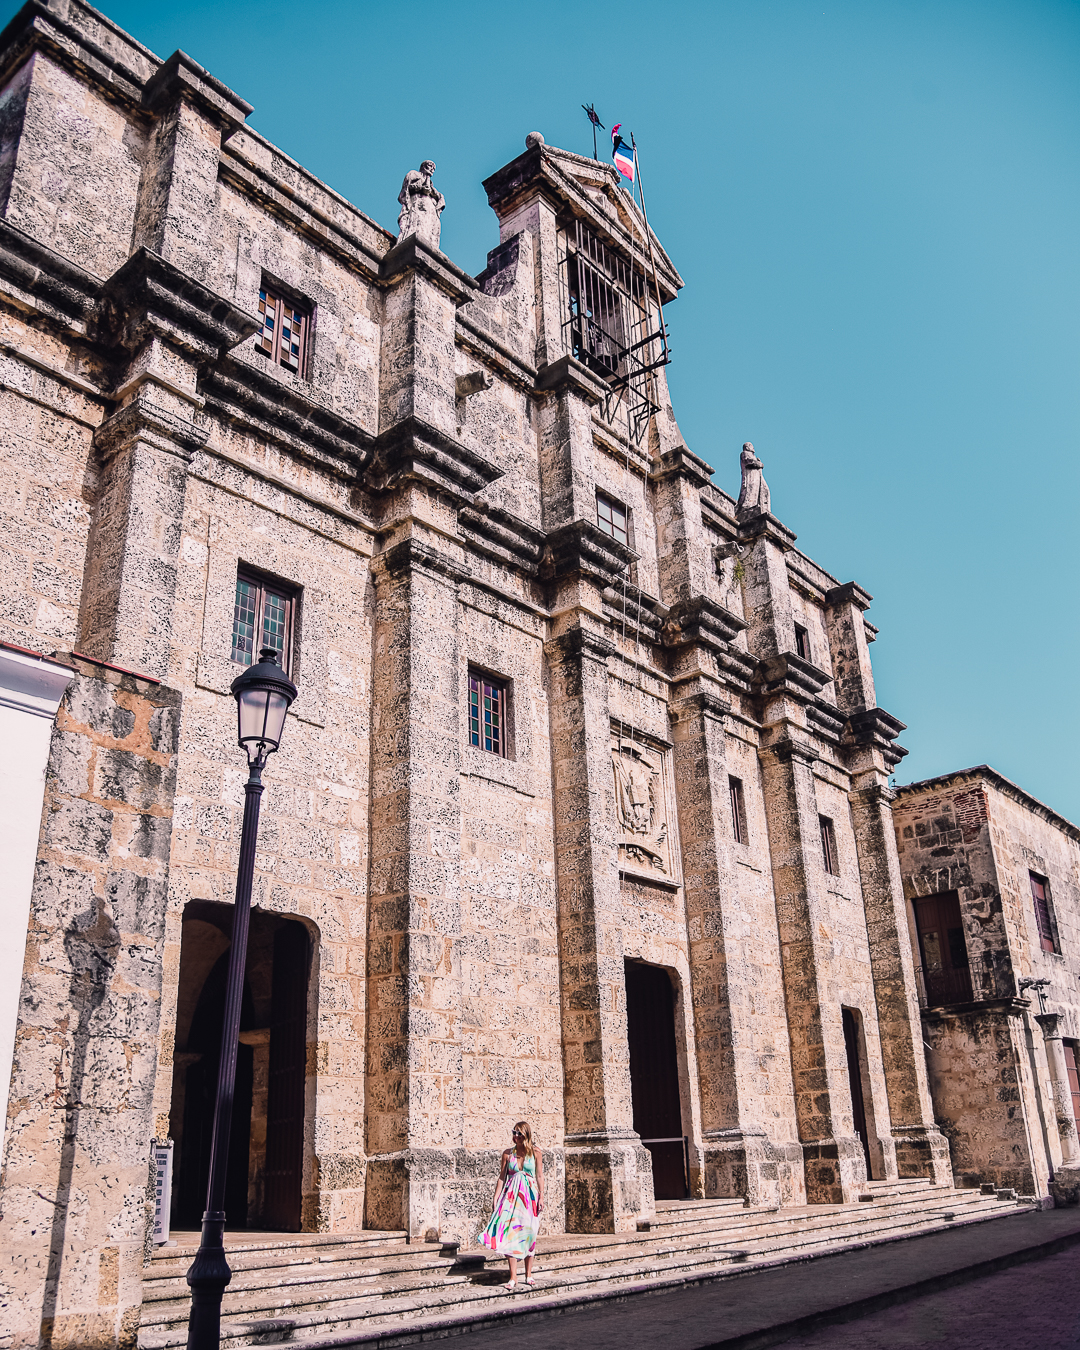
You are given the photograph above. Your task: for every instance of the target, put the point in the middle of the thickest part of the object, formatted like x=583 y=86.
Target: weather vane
x=590 y=113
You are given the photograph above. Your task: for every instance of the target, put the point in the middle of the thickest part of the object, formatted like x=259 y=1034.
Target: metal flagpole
x=648 y=240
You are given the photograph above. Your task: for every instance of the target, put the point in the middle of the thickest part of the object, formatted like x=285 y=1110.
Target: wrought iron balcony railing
x=986 y=976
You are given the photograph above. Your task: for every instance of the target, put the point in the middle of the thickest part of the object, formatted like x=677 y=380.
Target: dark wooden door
x=854 y=1068
x=946 y=977
x=287 y=1076
x=654 y=1075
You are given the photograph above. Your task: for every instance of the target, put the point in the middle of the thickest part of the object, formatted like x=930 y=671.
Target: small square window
x=828 y=846
x=488 y=713
x=802 y=642
x=286 y=330
x=613 y=518
x=263 y=616
x=1040 y=895
x=738 y=811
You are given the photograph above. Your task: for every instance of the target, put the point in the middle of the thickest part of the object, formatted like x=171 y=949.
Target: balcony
x=986 y=977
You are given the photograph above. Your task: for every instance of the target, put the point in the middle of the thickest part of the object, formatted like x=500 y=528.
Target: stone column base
x=747 y=1164
x=835 y=1170
x=1065 y=1186
x=922 y=1151
x=609 y=1185
x=444 y=1194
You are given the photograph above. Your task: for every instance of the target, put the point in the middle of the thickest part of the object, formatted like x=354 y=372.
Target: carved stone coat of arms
x=641 y=806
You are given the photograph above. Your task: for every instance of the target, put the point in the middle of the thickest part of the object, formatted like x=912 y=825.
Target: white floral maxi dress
x=512 y=1229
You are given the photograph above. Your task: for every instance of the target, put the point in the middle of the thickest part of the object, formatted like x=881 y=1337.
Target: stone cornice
x=963 y=777
x=142 y=420
x=578 y=643
x=181 y=77
x=634 y=611
x=704 y=703
x=701 y=620
x=874 y=726
x=681 y=463
x=413 y=255
x=581 y=546
x=414 y=450
x=850 y=593
x=789 y=674
x=412 y=555
x=37 y=27
x=787 y=751
x=149 y=297
x=504 y=537
x=825 y=720
x=61 y=289
x=247 y=396
x=764 y=525
x=568 y=375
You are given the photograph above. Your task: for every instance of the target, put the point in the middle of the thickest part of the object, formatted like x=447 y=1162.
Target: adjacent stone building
x=582 y=814
x=992 y=878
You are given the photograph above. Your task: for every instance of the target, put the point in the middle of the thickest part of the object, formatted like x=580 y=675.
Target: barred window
x=286 y=329
x=487 y=713
x=263 y=616
x=613 y=518
x=828 y=846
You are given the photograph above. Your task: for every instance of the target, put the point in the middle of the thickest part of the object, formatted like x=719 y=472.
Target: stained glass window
x=487 y=713
x=284 y=333
x=262 y=617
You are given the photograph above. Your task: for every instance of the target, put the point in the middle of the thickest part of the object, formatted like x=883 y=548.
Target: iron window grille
x=286 y=330
x=828 y=846
x=1040 y=895
x=488 y=713
x=264 y=614
x=738 y=811
x=802 y=642
x=613 y=518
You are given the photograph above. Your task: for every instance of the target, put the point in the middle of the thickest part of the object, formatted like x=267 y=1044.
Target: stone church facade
x=582 y=814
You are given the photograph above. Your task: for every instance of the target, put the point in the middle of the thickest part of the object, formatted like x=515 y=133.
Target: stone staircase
x=323 y=1290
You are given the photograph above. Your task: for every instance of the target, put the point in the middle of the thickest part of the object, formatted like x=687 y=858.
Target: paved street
x=1033 y=1305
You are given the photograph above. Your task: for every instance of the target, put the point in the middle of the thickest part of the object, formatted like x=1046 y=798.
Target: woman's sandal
x=529 y=1283
x=510 y=1286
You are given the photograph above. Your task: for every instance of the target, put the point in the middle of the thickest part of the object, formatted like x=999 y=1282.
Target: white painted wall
x=30 y=692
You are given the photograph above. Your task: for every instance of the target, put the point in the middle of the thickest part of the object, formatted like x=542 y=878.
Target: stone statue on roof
x=421 y=205
x=754 y=494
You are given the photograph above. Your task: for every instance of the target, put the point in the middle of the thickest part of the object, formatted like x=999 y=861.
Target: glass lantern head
x=263 y=694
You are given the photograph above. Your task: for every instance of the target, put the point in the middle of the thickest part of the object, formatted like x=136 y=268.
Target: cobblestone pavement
x=1029 y=1307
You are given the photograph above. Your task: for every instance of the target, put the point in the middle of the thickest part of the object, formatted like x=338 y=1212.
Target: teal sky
x=876 y=210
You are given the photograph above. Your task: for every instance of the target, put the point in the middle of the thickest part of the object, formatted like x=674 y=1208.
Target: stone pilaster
x=921 y=1148
x=835 y=1164
x=414 y=1101
x=608 y=1170
x=853 y=676
x=1063 y=1106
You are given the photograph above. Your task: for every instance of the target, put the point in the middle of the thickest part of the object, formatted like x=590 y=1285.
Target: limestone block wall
x=80 y=1111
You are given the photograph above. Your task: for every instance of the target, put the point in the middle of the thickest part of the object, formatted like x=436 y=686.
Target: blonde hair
x=523 y=1127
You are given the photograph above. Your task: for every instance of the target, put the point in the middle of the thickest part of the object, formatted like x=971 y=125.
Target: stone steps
x=281 y=1290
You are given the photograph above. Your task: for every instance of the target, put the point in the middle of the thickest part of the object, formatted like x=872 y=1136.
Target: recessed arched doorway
x=654 y=1075
x=264 y=1185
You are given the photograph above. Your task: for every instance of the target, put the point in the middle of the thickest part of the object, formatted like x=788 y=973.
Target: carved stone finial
x=754 y=494
x=533 y=139
x=421 y=205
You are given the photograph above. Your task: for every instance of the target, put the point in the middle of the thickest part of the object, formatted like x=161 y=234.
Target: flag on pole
x=622 y=154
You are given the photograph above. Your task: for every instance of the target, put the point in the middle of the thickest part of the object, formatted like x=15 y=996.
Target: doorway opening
x=856 y=1067
x=945 y=974
x=654 y=1076
x=264 y=1185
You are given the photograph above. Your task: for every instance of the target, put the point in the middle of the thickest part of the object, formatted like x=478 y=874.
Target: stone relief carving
x=754 y=493
x=640 y=805
x=421 y=205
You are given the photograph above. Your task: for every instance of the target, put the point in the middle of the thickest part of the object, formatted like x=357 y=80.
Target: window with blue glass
x=264 y=614
x=487 y=713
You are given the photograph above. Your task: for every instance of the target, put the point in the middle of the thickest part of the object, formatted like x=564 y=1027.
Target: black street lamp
x=263 y=694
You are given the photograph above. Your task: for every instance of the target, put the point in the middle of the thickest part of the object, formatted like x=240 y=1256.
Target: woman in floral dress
x=519 y=1198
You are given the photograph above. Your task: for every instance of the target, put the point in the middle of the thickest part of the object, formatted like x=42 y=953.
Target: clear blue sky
x=876 y=209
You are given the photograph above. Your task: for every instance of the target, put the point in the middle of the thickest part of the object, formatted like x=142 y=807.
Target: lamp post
x=263 y=694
